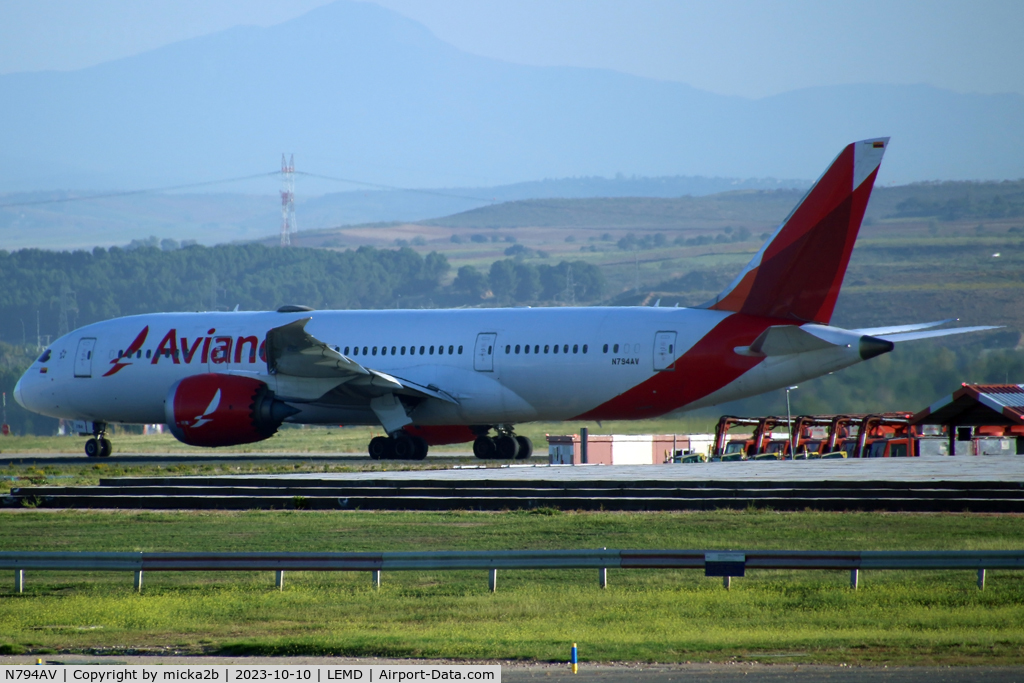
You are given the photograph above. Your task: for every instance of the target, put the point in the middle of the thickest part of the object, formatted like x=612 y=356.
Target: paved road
x=622 y=673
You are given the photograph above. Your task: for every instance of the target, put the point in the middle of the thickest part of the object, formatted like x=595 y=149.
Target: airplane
x=432 y=377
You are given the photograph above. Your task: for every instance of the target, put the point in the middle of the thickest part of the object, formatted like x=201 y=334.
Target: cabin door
x=483 y=355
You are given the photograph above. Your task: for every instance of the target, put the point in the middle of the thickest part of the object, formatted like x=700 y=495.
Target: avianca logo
x=204 y=349
x=210 y=410
x=119 y=363
x=215 y=349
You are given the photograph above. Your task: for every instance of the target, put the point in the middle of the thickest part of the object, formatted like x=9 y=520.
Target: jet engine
x=223 y=410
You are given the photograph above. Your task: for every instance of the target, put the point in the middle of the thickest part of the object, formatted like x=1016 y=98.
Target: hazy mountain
x=357 y=90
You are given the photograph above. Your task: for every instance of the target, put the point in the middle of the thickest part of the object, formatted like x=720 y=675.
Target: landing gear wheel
x=404 y=447
x=421 y=448
x=92 y=448
x=525 y=447
x=484 y=448
x=380 y=448
x=507 y=447
x=106 y=448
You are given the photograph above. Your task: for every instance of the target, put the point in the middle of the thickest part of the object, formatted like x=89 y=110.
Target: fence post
x=981 y=579
x=854 y=578
x=19 y=580
x=492 y=580
x=138 y=580
x=602 y=577
x=727 y=582
x=279 y=579
x=375 y=578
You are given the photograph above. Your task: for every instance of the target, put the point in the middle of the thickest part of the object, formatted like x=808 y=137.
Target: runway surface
x=610 y=673
x=951 y=484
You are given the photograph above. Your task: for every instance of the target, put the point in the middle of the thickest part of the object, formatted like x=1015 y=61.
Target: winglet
x=797 y=274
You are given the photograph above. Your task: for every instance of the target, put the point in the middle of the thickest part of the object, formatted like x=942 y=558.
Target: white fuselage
x=500 y=365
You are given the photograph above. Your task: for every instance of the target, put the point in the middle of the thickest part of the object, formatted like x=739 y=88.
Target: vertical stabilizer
x=798 y=272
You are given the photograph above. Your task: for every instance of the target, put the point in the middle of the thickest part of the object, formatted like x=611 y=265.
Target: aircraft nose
x=17 y=393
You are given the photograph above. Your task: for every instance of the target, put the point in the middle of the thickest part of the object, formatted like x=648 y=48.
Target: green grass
x=649 y=615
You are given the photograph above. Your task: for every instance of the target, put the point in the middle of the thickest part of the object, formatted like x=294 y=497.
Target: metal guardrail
x=715 y=563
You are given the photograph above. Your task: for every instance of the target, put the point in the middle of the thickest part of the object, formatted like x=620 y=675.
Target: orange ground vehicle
x=884 y=435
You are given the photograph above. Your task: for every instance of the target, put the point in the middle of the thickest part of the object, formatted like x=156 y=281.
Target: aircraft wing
x=293 y=351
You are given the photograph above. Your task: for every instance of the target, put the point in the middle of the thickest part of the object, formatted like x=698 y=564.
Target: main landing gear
x=504 y=446
x=99 y=446
x=401 y=446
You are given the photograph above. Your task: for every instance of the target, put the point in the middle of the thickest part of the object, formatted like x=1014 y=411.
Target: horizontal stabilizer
x=893 y=329
x=783 y=340
x=911 y=336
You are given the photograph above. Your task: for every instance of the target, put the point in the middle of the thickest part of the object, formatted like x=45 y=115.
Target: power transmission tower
x=288 y=225
x=570 y=287
x=68 y=306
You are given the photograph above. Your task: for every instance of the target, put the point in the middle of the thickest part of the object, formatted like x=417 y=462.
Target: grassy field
x=660 y=615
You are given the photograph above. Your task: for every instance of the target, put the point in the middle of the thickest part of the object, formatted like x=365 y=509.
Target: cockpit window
x=45 y=357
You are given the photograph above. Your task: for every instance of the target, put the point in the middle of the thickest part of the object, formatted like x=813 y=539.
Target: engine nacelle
x=223 y=410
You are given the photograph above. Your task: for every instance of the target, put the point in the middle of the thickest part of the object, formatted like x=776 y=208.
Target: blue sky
x=751 y=49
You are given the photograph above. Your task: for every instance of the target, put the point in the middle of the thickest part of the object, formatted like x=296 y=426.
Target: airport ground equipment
x=726 y=564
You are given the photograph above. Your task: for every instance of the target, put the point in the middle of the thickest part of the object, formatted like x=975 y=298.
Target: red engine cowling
x=223 y=410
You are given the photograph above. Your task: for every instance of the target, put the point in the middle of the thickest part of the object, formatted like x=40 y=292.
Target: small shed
x=994 y=410
x=615 y=449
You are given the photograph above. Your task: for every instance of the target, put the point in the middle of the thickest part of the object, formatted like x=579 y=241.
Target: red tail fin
x=797 y=274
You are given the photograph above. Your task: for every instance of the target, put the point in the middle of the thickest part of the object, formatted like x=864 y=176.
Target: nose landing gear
x=99 y=446
x=505 y=446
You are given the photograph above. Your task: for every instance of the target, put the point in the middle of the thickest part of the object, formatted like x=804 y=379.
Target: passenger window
x=383 y=350
x=138 y=354
x=606 y=348
x=546 y=348
x=440 y=350
x=364 y=350
x=526 y=349
x=346 y=350
x=584 y=348
x=460 y=350
x=422 y=349
x=375 y=350
x=392 y=350
x=556 y=348
x=119 y=353
x=149 y=353
x=575 y=348
x=615 y=349
x=431 y=350
x=508 y=348
x=412 y=350
x=355 y=351
x=452 y=348
x=403 y=350
x=517 y=348
x=565 y=348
